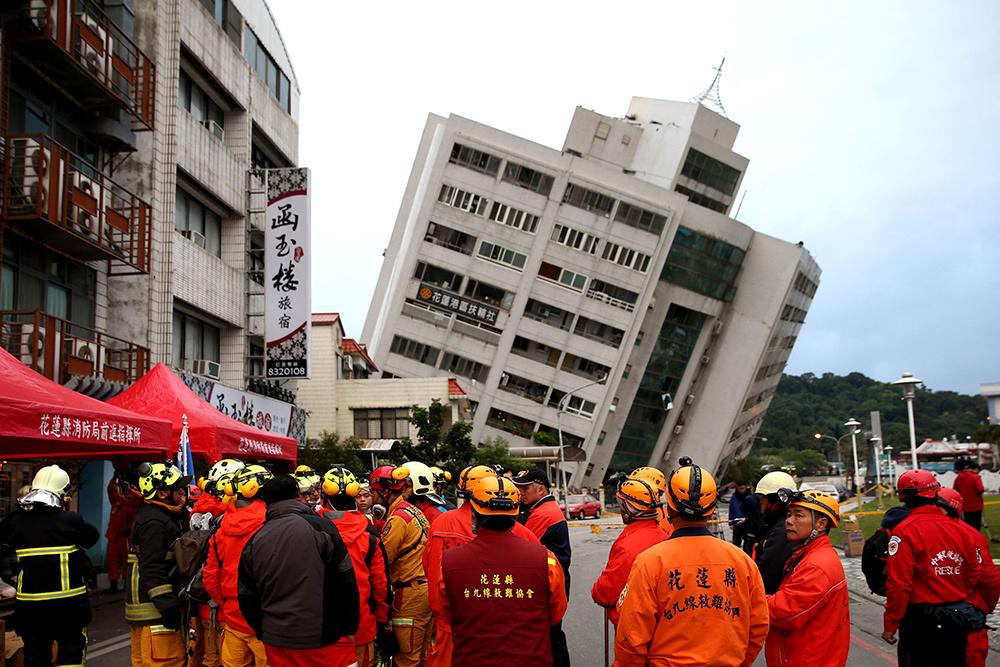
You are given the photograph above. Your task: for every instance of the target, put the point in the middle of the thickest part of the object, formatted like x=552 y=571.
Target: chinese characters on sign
x=287 y=268
x=56 y=426
x=263 y=413
x=718 y=599
x=498 y=587
x=438 y=297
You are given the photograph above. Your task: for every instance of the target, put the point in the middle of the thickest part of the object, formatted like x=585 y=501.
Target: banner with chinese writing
x=438 y=297
x=264 y=413
x=287 y=263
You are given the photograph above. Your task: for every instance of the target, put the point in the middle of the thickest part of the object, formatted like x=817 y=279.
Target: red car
x=582 y=506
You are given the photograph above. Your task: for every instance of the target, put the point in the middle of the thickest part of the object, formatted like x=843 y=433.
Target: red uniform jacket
x=365 y=547
x=970 y=485
x=931 y=561
x=222 y=565
x=430 y=510
x=810 y=613
x=635 y=538
x=123 y=509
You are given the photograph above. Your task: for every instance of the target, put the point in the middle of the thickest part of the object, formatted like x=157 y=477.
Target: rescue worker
x=51 y=604
x=340 y=487
x=987 y=590
x=404 y=535
x=931 y=562
x=309 y=482
x=970 y=485
x=498 y=593
x=736 y=517
x=441 y=477
x=810 y=615
x=773 y=549
x=656 y=477
x=693 y=599
x=546 y=521
x=245 y=512
x=639 y=502
x=419 y=491
x=296 y=584
x=364 y=500
x=152 y=607
x=453 y=529
x=125 y=500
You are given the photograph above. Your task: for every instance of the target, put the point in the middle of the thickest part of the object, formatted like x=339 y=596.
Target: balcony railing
x=66 y=202
x=116 y=71
x=59 y=349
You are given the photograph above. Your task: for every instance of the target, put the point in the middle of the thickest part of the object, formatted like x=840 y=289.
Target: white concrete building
x=534 y=273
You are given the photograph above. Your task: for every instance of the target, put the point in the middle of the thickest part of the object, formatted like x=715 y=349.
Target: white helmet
x=51 y=478
x=422 y=478
x=223 y=468
x=772 y=481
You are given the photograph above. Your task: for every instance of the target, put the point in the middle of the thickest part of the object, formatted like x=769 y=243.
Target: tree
x=321 y=454
x=450 y=449
x=494 y=451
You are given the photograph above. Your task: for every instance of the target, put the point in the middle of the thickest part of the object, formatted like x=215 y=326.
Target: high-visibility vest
x=46 y=574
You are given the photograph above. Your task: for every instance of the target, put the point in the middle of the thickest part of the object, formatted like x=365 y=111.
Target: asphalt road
x=109 y=645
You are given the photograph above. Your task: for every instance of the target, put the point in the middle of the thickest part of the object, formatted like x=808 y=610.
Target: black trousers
x=974 y=518
x=560 y=647
x=64 y=621
x=924 y=643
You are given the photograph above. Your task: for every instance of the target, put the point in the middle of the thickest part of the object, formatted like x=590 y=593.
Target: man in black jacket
x=52 y=604
x=297 y=588
x=773 y=548
x=152 y=606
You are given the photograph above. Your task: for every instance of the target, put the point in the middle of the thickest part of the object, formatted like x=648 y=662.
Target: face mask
x=378 y=512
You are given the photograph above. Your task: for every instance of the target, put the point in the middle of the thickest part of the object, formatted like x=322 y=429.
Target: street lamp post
x=878 y=467
x=892 y=467
x=562 y=451
x=909 y=385
x=853 y=424
x=820 y=436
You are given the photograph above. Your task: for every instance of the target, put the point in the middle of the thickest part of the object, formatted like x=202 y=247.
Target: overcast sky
x=871 y=129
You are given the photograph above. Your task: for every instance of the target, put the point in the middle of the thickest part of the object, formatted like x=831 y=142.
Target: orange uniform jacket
x=222 y=564
x=692 y=600
x=369 y=569
x=635 y=538
x=810 y=617
x=452 y=529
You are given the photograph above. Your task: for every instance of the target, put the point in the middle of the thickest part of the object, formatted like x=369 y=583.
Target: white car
x=825 y=487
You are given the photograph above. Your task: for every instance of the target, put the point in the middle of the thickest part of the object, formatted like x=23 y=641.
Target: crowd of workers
x=310 y=569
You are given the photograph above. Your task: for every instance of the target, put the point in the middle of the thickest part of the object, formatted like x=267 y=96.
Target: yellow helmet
x=691 y=491
x=652 y=475
x=247 y=481
x=495 y=496
x=339 y=479
x=817 y=501
x=159 y=476
x=470 y=477
x=440 y=476
x=773 y=481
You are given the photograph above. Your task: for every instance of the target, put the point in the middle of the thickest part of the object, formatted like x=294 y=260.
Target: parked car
x=825 y=487
x=842 y=490
x=582 y=506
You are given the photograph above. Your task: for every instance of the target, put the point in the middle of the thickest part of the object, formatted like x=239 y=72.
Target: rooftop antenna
x=710 y=96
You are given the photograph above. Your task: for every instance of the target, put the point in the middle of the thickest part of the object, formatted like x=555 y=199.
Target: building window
x=197 y=222
x=640 y=218
x=574 y=406
x=619 y=297
x=703 y=264
x=709 y=171
x=574 y=238
x=564 y=277
x=468 y=368
x=446 y=237
x=267 y=69
x=463 y=200
x=34 y=279
x=512 y=217
x=603 y=130
x=227 y=17
x=804 y=285
x=549 y=314
x=702 y=200
x=196 y=101
x=626 y=257
x=435 y=275
x=602 y=333
x=489 y=294
x=522 y=386
x=381 y=423
x=588 y=200
x=411 y=349
x=194 y=339
x=475 y=160
x=505 y=256
x=528 y=179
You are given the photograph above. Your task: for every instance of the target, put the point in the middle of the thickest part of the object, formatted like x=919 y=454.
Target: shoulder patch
x=621 y=598
x=894 y=544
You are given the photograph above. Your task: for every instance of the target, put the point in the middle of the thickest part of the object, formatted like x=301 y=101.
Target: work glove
x=171 y=618
x=386 y=642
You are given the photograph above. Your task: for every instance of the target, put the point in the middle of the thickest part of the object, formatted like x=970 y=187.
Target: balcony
x=108 y=70
x=82 y=358
x=65 y=202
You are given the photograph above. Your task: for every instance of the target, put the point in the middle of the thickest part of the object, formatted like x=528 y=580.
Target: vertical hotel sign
x=287 y=268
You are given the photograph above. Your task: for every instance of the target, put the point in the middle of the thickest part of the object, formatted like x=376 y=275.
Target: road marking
x=109 y=649
x=114 y=640
x=873 y=649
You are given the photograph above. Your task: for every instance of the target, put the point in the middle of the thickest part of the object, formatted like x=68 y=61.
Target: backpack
x=873 y=560
x=190 y=553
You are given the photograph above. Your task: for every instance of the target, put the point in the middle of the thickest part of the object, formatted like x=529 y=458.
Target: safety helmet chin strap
x=814 y=533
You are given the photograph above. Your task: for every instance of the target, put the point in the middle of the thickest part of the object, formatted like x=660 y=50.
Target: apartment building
x=602 y=290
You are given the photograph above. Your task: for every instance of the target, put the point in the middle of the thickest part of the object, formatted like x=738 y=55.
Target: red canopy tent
x=42 y=419
x=213 y=435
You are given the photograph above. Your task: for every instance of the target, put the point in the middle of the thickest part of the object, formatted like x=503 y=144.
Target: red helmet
x=950 y=500
x=389 y=478
x=917 y=483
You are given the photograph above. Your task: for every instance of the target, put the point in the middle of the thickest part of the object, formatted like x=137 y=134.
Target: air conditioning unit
x=348 y=363
x=544 y=312
x=678 y=429
x=194 y=236
x=85 y=202
x=204 y=367
x=215 y=129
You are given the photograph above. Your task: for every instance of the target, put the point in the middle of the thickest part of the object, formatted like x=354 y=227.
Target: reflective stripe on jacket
x=153 y=580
